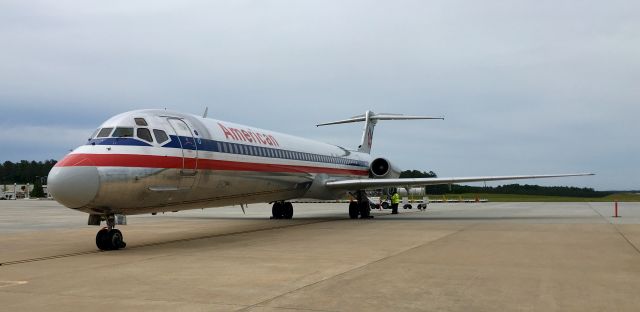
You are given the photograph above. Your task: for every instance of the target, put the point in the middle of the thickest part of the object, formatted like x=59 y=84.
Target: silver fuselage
x=201 y=163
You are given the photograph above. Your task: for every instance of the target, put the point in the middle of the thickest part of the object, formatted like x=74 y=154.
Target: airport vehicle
x=150 y=161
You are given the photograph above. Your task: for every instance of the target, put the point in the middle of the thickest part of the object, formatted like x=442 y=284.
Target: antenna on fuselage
x=206 y=112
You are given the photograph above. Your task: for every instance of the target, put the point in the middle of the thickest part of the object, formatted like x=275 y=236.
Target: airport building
x=19 y=191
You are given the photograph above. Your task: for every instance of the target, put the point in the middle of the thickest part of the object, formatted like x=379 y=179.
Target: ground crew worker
x=395 y=200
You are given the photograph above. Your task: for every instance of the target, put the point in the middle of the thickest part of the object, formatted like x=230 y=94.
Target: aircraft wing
x=361 y=184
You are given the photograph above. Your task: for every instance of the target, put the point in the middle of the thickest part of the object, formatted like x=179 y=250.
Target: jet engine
x=383 y=169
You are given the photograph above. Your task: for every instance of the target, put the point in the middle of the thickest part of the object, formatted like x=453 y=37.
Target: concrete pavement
x=453 y=257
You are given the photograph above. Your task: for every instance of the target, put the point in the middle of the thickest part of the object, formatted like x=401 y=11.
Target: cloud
x=527 y=86
x=40 y=142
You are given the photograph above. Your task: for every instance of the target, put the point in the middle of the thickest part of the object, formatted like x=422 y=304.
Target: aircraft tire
x=102 y=239
x=115 y=239
x=287 y=211
x=365 y=210
x=278 y=210
x=353 y=210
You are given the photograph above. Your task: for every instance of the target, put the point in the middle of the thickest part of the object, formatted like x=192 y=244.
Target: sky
x=526 y=87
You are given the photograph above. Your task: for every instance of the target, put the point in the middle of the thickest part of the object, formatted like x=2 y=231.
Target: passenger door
x=189 y=151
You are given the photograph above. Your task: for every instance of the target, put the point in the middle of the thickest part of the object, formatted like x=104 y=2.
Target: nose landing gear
x=110 y=238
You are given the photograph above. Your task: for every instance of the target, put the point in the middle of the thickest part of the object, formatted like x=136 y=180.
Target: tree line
x=517 y=189
x=32 y=172
x=25 y=171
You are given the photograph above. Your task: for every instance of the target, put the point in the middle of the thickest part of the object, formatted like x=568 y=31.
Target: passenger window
x=161 y=136
x=141 y=122
x=104 y=133
x=145 y=134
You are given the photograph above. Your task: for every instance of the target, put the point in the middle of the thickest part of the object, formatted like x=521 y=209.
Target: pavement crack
x=82 y=253
x=615 y=227
x=265 y=302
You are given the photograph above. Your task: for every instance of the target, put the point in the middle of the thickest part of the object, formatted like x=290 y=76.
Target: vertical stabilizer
x=367 y=134
x=371 y=119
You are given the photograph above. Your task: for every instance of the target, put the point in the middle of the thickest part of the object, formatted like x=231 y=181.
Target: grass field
x=621 y=197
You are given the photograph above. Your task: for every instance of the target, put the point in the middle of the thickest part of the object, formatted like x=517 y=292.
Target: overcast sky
x=527 y=87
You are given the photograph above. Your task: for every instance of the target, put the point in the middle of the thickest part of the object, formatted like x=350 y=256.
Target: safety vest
x=395 y=199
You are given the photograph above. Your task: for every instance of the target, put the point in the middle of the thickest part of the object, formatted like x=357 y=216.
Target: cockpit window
x=144 y=134
x=123 y=133
x=94 y=134
x=104 y=133
x=161 y=136
x=141 y=122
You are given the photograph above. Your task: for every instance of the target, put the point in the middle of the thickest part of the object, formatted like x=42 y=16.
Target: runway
x=452 y=257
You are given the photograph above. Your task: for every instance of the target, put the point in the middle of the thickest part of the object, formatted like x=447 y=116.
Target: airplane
x=154 y=160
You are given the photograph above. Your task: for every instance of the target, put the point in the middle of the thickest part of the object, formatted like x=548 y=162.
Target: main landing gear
x=360 y=207
x=109 y=238
x=282 y=210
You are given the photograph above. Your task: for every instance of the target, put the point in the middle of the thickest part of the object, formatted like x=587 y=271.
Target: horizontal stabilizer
x=362 y=184
x=362 y=118
x=371 y=119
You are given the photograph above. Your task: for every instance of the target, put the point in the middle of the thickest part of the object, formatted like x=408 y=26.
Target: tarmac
x=452 y=257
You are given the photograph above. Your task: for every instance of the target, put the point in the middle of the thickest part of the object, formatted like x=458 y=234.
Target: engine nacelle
x=383 y=169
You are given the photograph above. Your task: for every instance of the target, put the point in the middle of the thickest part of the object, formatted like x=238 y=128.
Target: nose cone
x=74 y=187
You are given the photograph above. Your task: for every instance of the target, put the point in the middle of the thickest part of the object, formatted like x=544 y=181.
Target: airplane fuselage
x=156 y=160
x=150 y=161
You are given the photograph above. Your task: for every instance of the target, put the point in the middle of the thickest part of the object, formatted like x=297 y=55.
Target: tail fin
x=371 y=119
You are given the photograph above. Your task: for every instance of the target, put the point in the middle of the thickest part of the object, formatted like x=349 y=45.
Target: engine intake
x=382 y=169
